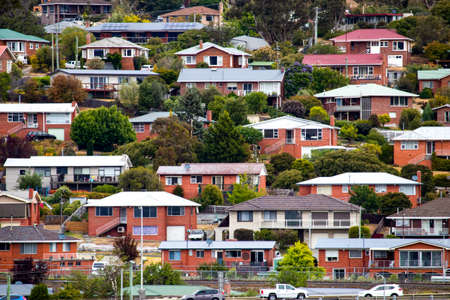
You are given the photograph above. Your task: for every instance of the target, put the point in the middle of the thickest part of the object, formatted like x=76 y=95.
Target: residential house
x=417 y=146
x=295 y=136
x=249 y=43
x=194 y=177
x=58 y=251
x=443 y=114
x=234 y=80
x=431 y=219
x=104 y=83
x=189 y=255
x=77 y=172
x=21 y=45
x=100 y=50
x=350 y=20
x=142 y=125
x=359 y=68
x=61 y=26
x=160 y=215
x=340 y=186
x=19 y=208
x=201 y=14
x=433 y=79
x=312 y=216
x=141 y=33
x=6 y=59
x=54 y=11
x=359 y=101
x=54 y=118
x=214 y=55
x=343 y=258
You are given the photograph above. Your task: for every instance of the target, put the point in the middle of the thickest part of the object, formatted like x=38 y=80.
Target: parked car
x=388 y=290
x=39 y=136
x=210 y=294
x=284 y=291
x=14 y=297
x=71 y=64
x=97 y=267
x=147 y=68
x=196 y=234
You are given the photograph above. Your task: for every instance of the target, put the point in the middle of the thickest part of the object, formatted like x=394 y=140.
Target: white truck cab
x=283 y=291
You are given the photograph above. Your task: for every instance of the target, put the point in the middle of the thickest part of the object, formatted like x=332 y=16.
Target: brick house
x=54 y=11
x=21 y=45
x=342 y=258
x=312 y=216
x=214 y=55
x=429 y=220
x=295 y=136
x=234 y=80
x=201 y=14
x=58 y=251
x=433 y=79
x=194 y=177
x=355 y=102
x=339 y=186
x=188 y=255
x=165 y=216
x=6 y=59
x=19 y=208
x=100 y=50
x=359 y=68
x=54 y=118
x=417 y=146
x=443 y=114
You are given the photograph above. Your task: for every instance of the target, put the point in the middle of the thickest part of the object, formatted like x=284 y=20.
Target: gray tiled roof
x=31 y=234
x=112 y=42
x=146 y=27
x=230 y=75
x=437 y=208
x=249 y=42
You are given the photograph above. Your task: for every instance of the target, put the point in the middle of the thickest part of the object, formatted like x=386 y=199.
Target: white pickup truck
x=283 y=291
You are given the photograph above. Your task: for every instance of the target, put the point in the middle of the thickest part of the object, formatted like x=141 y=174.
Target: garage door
x=175 y=233
x=58 y=132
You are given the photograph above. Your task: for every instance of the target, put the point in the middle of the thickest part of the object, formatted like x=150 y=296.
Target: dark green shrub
x=353 y=232
x=39 y=292
x=178 y=190
x=107 y=189
x=426 y=93
x=441 y=180
x=243 y=234
x=440 y=164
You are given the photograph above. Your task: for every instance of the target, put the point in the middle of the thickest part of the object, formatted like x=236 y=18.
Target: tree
x=390 y=202
x=373 y=121
x=202 y=65
x=411 y=170
x=256 y=102
x=42 y=60
x=139 y=61
x=5 y=85
x=437 y=51
x=265 y=54
x=211 y=195
x=297 y=77
x=66 y=89
x=129 y=96
x=288 y=179
x=15 y=147
x=125 y=248
x=115 y=59
x=152 y=93
x=409 y=119
x=101 y=129
x=18 y=15
x=353 y=232
x=67 y=41
x=243 y=234
x=237 y=108
x=294 y=108
x=319 y=114
x=39 y=292
x=384 y=118
x=208 y=94
x=305 y=167
x=365 y=197
x=190 y=106
x=442 y=9
x=297 y=266
x=307 y=101
x=95 y=64
x=139 y=179
x=348 y=132
x=157 y=274
x=29 y=271
x=243 y=191
x=324 y=79
x=251 y=135
x=427 y=114
x=178 y=190
x=224 y=143
x=281 y=162
x=27 y=181
x=323 y=49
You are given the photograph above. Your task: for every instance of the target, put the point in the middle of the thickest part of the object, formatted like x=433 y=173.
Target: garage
x=175 y=233
x=58 y=132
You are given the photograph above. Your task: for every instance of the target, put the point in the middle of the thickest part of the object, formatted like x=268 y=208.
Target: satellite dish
x=414 y=177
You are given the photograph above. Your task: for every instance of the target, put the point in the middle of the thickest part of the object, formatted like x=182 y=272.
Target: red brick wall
x=4 y=58
x=440 y=115
x=437 y=84
x=140 y=136
x=404 y=157
x=222 y=87
x=28 y=51
x=127 y=62
x=216 y=52
x=351 y=265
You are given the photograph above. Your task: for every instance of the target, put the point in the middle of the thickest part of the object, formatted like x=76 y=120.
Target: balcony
x=305 y=224
x=100 y=87
x=365 y=77
x=60 y=256
x=83 y=178
x=348 y=107
x=381 y=264
x=400 y=231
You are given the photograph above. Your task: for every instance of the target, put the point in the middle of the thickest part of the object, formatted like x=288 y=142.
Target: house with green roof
x=21 y=45
x=433 y=79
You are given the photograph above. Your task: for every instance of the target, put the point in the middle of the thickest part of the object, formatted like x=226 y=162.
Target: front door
x=257 y=258
x=123 y=215
x=32 y=121
x=430 y=148
x=219 y=257
x=289 y=136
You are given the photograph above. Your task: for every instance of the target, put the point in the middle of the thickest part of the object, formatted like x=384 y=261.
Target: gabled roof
x=37 y=107
x=442 y=106
x=146 y=27
x=361 y=35
x=196 y=49
x=343 y=59
x=363 y=90
x=230 y=75
x=316 y=202
x=152 y=116
x=433 y=74
x=438 y=208
x=359 y=178
x=32 y=234
x=377 y=244
x=112 y=42
x=214 y=169
x=88 y=72
x=425 y=134
x=287 y=122
x=133 y=199
x=11 y=35
x=5 y=48
x=69 y=161
x=199 y=10
x=217 y=245
x=20 y=195
x=71 y=2
x=249 y=42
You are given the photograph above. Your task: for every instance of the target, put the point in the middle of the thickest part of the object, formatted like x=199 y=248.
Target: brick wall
x=27 y=50
x=228 y=60
x=4 y=58
x=440 y=115
x=404 y=157
x=127 y=62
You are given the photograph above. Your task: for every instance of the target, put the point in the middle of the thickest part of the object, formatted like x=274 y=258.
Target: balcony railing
x=407 y=263
x=348 y=107
x=290 y=141
x=298 y=223
x=399 y=231
x=59 y=256
x=32 y=125
x=100 y=87
x=83 y=178
x=382 y=264
x=366 y=77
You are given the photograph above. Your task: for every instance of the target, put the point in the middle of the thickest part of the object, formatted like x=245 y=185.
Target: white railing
x=399 y=231
x=299 y=223
x=58 y=256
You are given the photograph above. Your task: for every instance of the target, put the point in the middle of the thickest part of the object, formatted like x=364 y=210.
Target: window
x=196 y=179
x=380 y=188
x=175 y=211
x=248 y=87
x=399 y=101
x=15 y=117
x=402 y=223
x=384 y=44
x=43 y=172
x=78 y=263
x=332 y=255
x=127 y=52
x=209 y=18
x=123 y=79
x=345 y=188
x=311 y=134
x=22 y=172
x=70 y=263
x=245 y=216
x=270 y=215
x=44 y=9
x=409 y=145
x=175 y=255
x=324 y=189
x=139 y=127
x=420 y=259
x=4 y=247
x=213 y=61
x=189 y=60
x=52 y=247
x=379 y=254
x=233 y=253
x=37 y=46
x=189 y=85
x=232 y=86
x=398 y=46
x=97 y=82
x=103 y=211
x=338 y=273
x=200 y=253
x=427 y=84
x=147 y=230
x=31 y=45
x=270 y=133
x=447 y=116
x=354 y=253
x=173 y=180
x=58 y=118
x=28 y=248
x=66 y=247
x=408 y=190
x=99 y=53
x=148 y=212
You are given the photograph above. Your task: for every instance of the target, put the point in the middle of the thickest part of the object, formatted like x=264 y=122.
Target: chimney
x=74 y=103
x=88 y=38
x=419 y=176
x=332 y=120
x=30 y=193
x=200 y=46
x=209 y=115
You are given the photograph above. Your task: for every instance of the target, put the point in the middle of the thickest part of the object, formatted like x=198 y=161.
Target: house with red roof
x=359 y=68
x=205 y=15
x=6 y=59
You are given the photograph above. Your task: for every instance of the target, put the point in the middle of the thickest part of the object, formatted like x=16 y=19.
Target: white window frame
x=332 y=255
x=170 y=179
x=407 y=189
x=19 y=115
x=270 y=215
x=139 y=127
x=274 y=134
x=359 y=252
x=66 y=247
x=194 y=179
x=402 y=223
x=345 y=188
x=189 y=60
x=427 y=84
x=28 y=248
x=189 y=85
x=380 y=188
x=318 y=136
x=395 y=46
x=31 y=45
x=52 y=247
x=384 y=44
x=126 y=51
x=177 y=255
x=409 y=145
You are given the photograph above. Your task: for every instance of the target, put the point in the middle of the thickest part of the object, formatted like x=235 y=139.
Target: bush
x=283 y=237
x=107 y=189
x=178 y=190
x=39 y=292
x=288 y=179
x=26 y=181
x=363 y=126
x=426 y=93
x=440 y=164
x=96 y=64
x=211 y=195
x=373 y=121
x=441 y=180
x=243 y=234
x=353 y=232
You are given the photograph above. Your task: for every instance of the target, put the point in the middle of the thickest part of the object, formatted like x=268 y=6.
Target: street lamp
x=384 y=283
x=141 y=290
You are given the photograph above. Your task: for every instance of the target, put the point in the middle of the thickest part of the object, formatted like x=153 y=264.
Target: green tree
x=68 y=292
x=237 y=108
x=115 y=59
x=29 y=181
x=208 y=94
x=140 y=153
x=442 y=9
x=308 y=102
x=18 y=15
x=353 y=232
x=319 y=114
x=251 y=135
x=325 y=79
x=178 y=190
x=224 y=143
x=138 y=179
x=256 y=102
x=288 y=179
x=410 y=119
x=411 y=170
x=5 y=85
x=297 y=77
x=305 y=167
x=157 y=274
x=211 y=195
x=427 y=114
x=95 y=64
x=129 y=96
x=106 y=189
x=67 y=41
x=384 y=118
x=364 y=196
x=390 y=202
x=373 y=121
x=190 y=106
x=39 y=292
x=42 y=60
x=437 y=51
x=323 y=49
x=243 y=191
x=348 y=132
x=152 y=93
x=243 y=234
x=281 y=162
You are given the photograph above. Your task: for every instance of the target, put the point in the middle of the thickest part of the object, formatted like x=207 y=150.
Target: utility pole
x=57 y=46
x=131 y=281
x=76 y=52
x=316 y=20
x=53 y=54
x=141 y=290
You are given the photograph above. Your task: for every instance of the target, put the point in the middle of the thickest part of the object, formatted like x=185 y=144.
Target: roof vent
x=187 y=166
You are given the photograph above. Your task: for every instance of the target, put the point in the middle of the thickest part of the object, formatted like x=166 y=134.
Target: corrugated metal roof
x=11 y=35
x=437 y=208
x=23 y=289
x=261 y=63
x=359 y=178
x=287 y=122
x=37 y=107
x=442 y=106
x=230 y=75
x=60 y=26
x=70 y=161
x=155 y=198
x=167 y=290
x=370 y=35
x=146 y=27
x=363 y=90
x=21 y=195
x=217 y=245
x=432 y=74
x=152 y=116
x=202 y=10
x=425 y=133
x=343 y=59
x=106 y=72
x=376 y=244
x=249 y=42
x=24 y=234
x=196 y=49
x=113 y=42
x=214 y=169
